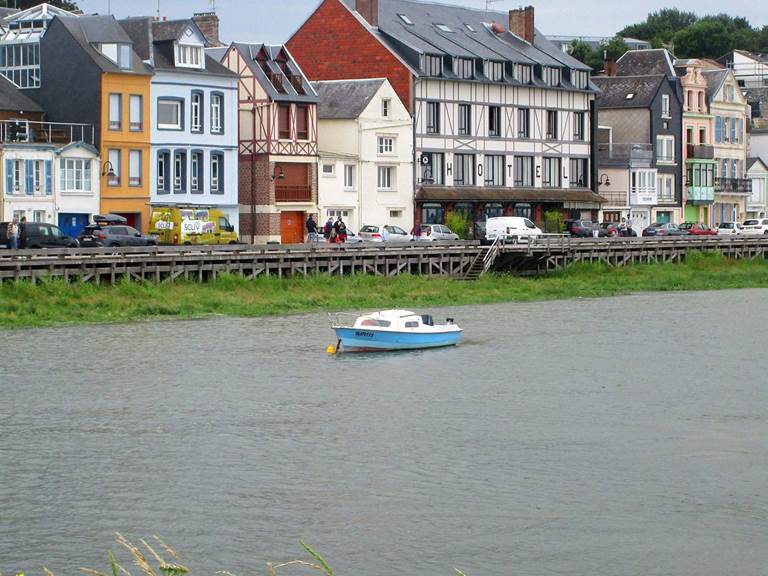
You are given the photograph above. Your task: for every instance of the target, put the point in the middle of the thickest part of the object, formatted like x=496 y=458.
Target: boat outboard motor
x=426 y=319
x=449 y=320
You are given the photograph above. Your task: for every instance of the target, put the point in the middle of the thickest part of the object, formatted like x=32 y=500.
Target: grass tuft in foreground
x=51 y=303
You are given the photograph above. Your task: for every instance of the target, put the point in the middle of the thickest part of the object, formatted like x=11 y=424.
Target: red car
x=696 y=229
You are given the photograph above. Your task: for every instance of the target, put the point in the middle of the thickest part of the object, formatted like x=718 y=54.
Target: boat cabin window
x=379 y=323
x=427 y=319
x=411 y=324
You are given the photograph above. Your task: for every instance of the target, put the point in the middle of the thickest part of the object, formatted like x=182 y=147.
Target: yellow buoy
x=331 y=349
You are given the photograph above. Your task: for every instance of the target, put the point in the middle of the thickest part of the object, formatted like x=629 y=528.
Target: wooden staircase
x=482 y=262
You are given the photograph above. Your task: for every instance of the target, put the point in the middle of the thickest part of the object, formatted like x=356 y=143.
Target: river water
x=619 y=436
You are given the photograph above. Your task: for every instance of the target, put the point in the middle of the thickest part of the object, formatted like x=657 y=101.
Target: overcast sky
x=274 y=21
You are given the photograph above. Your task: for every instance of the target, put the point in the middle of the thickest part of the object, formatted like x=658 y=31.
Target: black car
x=668 y=229
x=579 y=228
x=39 y=235
x=95 y=236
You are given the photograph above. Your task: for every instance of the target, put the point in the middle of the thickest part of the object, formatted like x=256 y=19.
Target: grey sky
x=275 y=20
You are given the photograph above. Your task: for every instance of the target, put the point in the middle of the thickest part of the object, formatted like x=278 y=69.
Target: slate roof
x=345 y=99
x=754 y=160
x=715 y=79
x=14 y=100
x=153 y=41
x=470 y=35
x=645 y=62
x=5 y=12
x=615 y=89
x=249 y=53
x=89 y=30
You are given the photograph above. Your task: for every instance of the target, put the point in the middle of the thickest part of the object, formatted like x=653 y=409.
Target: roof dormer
x=189 y=50
x=119 y=53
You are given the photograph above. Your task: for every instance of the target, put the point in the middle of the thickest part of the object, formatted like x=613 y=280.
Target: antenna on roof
x=158 y=9
x=213 y=5
x=489 y=2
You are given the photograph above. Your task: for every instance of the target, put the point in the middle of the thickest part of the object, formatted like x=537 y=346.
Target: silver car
x=434 y=232
x=384 y=233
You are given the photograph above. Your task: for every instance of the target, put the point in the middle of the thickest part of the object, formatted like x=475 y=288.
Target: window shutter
x=8 y=177
x=48 y=189
x=29 y=171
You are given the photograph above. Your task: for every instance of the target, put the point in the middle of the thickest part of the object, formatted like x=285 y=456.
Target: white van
x=510 y=229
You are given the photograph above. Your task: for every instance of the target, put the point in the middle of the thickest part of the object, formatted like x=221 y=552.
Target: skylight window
x=443 y=28
x=405 y=19
x=470 y=28
x=630 y=95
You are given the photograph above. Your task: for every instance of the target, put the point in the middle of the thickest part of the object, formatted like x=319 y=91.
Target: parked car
x=510 y=229
x=728 y=229
x=755 y=227
x=608 y=229
x=698 y=229
x=579 y=228
x=434 y=232
x=40 y=235
x=666 y=229
x=111 y=230
x=353 y=238
x=376 y=233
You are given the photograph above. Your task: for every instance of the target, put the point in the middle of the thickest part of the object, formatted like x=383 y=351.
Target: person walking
x=416 y=231
x=623 y=227
x=629 y=225
x=23 y=232
x=328 y=227
x=341 y=235
x=311 y=229
x=385 y=233
x=12 y=232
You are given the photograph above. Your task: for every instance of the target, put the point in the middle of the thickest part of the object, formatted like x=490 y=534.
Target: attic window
x=470 y=28
x=630 y=96
x=443 y=28
x=405 y=19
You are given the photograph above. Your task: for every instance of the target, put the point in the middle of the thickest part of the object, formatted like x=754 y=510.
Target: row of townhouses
x=378 y=111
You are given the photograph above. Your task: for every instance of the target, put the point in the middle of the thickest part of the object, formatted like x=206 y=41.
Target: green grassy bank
x=53 y=303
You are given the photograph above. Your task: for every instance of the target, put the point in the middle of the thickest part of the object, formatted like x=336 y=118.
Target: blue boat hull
x=362 y=339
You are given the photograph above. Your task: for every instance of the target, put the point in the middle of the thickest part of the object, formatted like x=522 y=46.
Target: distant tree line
x=684 y=33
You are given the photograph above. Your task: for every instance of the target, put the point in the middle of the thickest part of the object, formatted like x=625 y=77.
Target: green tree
x=661 y=25
x=705 y=39
x=614 y=48
x=584 y=53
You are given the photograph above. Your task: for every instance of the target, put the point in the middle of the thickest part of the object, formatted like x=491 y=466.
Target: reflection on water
x=622 y=436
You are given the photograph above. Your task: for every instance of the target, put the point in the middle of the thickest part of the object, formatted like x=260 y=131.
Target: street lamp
x=426 y=176
x=277 y=175
x=108 y=169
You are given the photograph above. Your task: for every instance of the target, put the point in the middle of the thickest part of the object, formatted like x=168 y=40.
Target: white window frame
x=18 y=175
x=386 y=178
x=178 y=171
x=386 y=107
x=217 y=106
x=189 y=56
x=38 y=173
x=386 y=145
x=113 y=155
x=349 y=176
x=328 y=173
x=196 y=109
x=135 y=125
x=134 y=168
x=215 y=172
x=665 y=149
x=75 y=175
x=115 y=111
x=176 y=104
x=194 y=171
x=665 y=109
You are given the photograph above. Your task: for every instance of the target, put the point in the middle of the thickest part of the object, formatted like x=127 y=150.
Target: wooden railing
x=293 y=194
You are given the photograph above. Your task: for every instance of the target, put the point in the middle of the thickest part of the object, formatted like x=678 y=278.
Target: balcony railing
x=615 y=197
x=32 y=132
x=733 y=186
x=701 y=151
x=625 y=154
x=293 y=194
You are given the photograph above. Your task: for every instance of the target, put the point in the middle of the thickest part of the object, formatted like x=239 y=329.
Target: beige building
x=365 y=140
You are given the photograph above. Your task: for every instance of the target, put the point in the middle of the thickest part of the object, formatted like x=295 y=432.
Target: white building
x=757 y=203
x=193 y=117
x=365 y=138
x=46 y=182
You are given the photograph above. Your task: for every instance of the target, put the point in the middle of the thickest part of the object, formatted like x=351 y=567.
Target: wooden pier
x=462 y=260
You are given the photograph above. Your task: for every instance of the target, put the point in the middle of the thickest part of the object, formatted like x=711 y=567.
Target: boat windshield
x=374 y=322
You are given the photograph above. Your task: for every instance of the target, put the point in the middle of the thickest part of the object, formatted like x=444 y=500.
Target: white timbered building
x=277 y=121
x=503 y=119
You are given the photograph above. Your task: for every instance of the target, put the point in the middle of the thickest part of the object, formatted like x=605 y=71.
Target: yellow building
x=125 y=147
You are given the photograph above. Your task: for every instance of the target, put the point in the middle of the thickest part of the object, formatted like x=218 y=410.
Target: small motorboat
x=392 y=330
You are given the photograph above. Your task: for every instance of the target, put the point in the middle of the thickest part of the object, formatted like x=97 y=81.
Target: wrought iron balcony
x=701 y=151
x=733 y=186
x=624 y=154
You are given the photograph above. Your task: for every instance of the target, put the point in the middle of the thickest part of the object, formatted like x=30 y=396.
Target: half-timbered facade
x=503 y=120
x=277 y=121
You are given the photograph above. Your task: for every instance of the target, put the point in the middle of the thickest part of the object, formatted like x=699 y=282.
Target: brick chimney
x=610 y=68
x=369 y=10
x=208 y=22
x=521 y=23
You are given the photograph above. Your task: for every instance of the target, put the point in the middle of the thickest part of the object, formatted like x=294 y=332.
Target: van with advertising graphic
x=177 y=225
